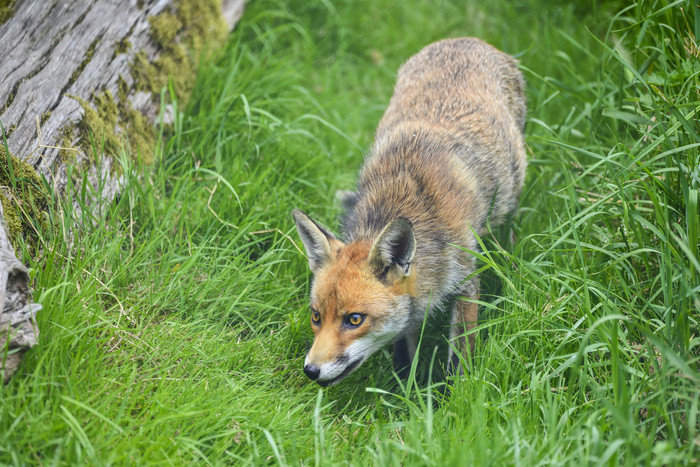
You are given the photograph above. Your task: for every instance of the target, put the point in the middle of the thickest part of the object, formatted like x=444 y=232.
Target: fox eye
x=316 y=317
x=354 y=320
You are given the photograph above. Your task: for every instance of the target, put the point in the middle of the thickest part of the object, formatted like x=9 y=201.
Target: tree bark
x=57 y=58
x=18 y=331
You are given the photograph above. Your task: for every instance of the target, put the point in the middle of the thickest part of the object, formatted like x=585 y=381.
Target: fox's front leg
x=404 y=351
x=464 y=319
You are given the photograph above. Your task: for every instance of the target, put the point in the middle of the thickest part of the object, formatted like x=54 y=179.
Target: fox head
x=360 y=297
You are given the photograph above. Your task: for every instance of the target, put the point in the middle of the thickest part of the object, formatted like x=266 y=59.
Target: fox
x=448 y=158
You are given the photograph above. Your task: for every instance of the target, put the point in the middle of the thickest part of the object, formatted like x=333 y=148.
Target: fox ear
x=393 y=250
x=317 y=240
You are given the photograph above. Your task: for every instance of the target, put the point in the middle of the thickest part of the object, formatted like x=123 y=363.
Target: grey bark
x=18 y=331
x=44 y=48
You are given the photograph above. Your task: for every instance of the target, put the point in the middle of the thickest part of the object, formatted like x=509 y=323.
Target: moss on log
x=78 y=72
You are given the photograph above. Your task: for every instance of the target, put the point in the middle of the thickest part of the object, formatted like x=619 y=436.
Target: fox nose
x=312 y=371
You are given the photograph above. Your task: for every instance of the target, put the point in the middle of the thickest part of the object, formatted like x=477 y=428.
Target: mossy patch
x=97 y=127
x=45 y=116
x=7 y=9
x=66 y=136
x=11 y=218
x=181 y=34
x=121 y=47
x=23 y=198
x=98 y=122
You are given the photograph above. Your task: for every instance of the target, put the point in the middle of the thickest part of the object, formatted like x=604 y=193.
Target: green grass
x=175 y=321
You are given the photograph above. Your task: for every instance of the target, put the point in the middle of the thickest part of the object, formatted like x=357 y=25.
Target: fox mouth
x=349 y=369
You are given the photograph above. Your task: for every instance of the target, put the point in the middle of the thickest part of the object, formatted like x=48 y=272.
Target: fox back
x=448 y=157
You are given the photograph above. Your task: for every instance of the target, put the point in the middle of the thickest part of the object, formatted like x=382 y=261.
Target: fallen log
x=18 y=331
x=77 y=77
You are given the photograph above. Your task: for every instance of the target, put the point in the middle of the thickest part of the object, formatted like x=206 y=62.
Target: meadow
x=175 y=322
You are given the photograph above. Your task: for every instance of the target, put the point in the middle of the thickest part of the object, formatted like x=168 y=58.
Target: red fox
x=448 y=155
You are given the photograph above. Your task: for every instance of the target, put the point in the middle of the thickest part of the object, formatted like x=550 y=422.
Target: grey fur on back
x=449 y=152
